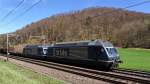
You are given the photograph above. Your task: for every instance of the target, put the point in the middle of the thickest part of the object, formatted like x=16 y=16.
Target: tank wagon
x=95 y=53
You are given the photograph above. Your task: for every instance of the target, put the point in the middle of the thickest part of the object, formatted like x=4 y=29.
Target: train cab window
x=102 y=50
x=45 y=51
x=101 y=53
x=112 y=51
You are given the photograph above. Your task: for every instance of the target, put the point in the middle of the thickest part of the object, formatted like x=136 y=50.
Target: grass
x=135 y=58
x=12 y=74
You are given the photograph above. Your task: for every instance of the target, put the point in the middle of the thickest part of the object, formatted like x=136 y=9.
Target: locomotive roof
x=85 y=43
x=77 y=43
x=28 y=46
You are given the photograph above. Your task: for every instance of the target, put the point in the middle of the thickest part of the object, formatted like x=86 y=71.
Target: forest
x=122 y=27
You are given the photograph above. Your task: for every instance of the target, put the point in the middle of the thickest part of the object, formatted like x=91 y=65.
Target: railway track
x=115 y=76
x=133 y=72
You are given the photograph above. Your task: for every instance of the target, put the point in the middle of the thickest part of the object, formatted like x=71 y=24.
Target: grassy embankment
x=12 y=74
x=134 y=58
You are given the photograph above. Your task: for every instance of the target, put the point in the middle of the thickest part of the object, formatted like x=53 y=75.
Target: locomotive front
x=112 y=55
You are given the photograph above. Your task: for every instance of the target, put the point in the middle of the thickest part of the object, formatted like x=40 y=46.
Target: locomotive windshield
x=112 y=51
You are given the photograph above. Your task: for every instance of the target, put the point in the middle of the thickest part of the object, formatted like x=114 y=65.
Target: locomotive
x=35 y=51
x=95 y=53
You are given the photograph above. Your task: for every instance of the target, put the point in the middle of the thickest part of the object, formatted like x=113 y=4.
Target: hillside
x=123 y=28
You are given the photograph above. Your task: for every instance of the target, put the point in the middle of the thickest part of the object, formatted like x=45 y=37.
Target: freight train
x=95 y=53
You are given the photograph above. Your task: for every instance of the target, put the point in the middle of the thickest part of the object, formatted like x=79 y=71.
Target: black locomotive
x=95 y=53
x=35 y=51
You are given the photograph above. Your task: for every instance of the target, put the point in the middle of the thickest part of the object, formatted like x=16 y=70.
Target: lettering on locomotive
x=61 y=52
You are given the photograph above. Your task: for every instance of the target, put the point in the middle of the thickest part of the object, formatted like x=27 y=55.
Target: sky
x=47 y=8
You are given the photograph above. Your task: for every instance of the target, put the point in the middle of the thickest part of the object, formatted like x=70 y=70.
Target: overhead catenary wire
x=10 y=12
x=130 y=6
x=28 y=9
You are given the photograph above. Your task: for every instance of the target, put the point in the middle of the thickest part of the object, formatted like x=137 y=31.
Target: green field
x=135 y=58
x=12 y=74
